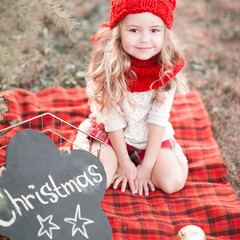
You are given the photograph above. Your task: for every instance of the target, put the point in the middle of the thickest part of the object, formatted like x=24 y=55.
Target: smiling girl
x=134 y=73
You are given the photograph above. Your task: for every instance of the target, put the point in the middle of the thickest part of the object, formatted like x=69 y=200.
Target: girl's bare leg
x=109 y=160
x=170 y=172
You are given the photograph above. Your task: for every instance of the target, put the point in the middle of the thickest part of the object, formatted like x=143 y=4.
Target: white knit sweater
x=141 y=110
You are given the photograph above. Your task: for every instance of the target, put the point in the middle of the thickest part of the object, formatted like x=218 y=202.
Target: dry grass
x=210 y=32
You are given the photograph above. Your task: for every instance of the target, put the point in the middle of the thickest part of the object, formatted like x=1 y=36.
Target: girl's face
x=142 y=35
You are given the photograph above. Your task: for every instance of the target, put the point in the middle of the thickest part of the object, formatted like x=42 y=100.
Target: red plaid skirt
x=136 y=155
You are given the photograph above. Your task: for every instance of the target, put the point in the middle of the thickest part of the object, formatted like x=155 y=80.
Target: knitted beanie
x=161 y=8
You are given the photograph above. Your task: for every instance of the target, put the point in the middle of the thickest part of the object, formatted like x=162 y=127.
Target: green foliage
x=34 y=54
x=20 y=23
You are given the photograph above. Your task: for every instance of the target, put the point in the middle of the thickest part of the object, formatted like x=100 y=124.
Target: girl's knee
x=170 y=176
x=172 y=185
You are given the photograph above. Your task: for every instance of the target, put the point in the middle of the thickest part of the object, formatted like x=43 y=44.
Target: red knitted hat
x=161 y=8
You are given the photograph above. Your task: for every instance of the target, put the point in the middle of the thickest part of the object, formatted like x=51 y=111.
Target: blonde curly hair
x=106 y=85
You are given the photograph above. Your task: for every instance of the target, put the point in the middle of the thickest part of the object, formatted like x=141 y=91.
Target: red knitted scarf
x=148 y=74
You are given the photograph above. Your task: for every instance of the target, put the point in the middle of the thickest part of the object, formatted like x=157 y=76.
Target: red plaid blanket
x=207 y=200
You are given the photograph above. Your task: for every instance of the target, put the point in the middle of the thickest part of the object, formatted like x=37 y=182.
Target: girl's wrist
x=123 y=160
x=148 y=164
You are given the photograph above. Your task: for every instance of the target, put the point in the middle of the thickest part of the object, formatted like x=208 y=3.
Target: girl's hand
x=143 y=180
x=126 y=173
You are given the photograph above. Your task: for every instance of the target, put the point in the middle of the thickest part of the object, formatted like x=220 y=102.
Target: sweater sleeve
x=159 y=114
x=114 y=121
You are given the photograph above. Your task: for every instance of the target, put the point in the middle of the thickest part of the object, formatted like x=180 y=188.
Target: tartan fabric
x=136 y=155
x=99 y=132
x=207 y=200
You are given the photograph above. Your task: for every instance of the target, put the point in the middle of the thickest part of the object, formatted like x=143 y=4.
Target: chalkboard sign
x=49 y=194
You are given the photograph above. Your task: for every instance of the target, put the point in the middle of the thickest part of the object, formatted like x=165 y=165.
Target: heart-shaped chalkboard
x=50 y=194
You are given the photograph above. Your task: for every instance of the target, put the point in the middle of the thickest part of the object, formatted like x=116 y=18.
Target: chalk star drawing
x=50 y=225
x=79 y=223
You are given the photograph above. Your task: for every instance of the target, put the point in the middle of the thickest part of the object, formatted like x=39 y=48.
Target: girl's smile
x=144 y=48
x=142 y=35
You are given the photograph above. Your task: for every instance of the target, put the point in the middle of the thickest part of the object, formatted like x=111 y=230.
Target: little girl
x=134 y=72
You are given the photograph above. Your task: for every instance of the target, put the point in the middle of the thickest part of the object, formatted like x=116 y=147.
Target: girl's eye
x=155 y=30
x=134 y=30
